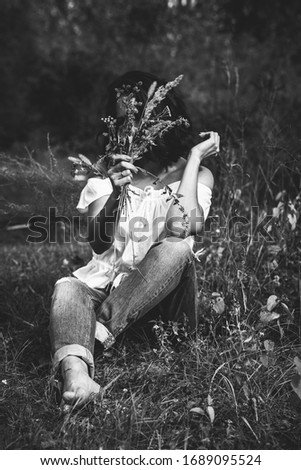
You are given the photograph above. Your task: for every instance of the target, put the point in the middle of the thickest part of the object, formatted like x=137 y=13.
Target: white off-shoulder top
x=141 y=225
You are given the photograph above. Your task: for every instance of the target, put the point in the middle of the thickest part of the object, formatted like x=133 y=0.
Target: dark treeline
x=240 y=59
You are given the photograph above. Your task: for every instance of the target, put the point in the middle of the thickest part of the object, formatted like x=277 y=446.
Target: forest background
x=242 y=77
x=58 y=57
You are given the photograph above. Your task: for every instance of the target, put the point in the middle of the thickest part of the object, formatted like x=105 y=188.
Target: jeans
x=165 y=278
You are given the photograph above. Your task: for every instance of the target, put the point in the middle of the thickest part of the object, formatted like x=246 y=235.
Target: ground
x=226 y=388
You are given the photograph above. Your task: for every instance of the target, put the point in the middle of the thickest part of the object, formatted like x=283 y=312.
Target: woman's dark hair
x=173 y=144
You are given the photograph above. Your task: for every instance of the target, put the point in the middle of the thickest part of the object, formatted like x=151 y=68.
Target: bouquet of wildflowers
x=131 y=137
x=134 y=137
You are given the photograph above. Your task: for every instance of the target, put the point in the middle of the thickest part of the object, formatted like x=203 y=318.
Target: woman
x=146 y=262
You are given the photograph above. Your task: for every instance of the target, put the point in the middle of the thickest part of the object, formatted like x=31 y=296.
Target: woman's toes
x=80 y=396
x=70 y=397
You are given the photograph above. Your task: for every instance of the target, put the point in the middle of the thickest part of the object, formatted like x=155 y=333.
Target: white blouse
x=141 y=224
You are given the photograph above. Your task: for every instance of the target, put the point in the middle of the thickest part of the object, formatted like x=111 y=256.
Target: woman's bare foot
x=78 y=386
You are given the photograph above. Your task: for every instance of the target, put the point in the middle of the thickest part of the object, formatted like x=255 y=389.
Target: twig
x=109 y=385
x=19 y=318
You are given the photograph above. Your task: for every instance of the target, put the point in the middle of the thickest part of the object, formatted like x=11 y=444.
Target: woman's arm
x=101 y=222
x=102 y=212
x=192 y=175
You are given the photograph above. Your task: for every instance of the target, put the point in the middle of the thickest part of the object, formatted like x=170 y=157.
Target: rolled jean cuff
x=103 y=335
x=73 y=350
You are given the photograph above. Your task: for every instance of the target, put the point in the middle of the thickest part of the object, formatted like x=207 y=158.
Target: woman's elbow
x=186 y=225
x=96 y=241
x=99 y=247
x=178 y=229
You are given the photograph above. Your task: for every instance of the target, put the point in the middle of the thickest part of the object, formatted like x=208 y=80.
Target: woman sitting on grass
x=143 y=265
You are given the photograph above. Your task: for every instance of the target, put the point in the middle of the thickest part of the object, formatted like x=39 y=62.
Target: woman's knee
x=177 y=247
x=67 y=288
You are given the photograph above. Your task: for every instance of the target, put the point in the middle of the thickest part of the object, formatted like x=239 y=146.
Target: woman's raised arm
x=192 y=175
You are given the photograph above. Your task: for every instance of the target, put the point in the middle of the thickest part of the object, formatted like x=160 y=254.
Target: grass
x=229 y=387
x=219 y=390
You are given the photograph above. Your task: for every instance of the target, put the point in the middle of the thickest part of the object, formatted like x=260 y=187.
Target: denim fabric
x=167 y=265
x=73 y=321
x=165 y=279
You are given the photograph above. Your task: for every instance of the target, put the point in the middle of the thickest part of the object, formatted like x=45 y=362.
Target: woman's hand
x=121 y=171
x=206 y=148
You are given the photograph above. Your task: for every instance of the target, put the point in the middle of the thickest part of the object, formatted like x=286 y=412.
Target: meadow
x=235 y=385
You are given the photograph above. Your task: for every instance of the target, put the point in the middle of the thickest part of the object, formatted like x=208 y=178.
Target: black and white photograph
x=150 y=229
